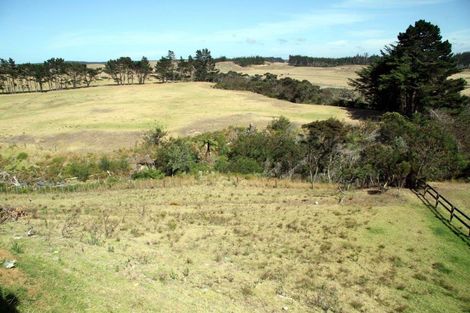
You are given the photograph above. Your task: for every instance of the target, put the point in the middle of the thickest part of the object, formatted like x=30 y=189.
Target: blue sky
x=94 y=30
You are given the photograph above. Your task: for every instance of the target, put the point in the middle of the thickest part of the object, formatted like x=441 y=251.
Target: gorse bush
x=244 y=165
x=285 y=88
x=81 y=169
x=120 y=165
x=394 y=151
x=176 y=156
x=149 y=173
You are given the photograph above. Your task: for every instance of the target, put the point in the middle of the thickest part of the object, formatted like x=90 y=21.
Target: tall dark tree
x=91 y=74
x=322 y=140
x=184 y=69
x=163 y=69
x=204 y=65
x=413 y=75
x=142 y=69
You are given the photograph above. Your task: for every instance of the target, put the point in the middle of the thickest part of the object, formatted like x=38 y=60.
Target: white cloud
x=255 y=34
x=299 y=23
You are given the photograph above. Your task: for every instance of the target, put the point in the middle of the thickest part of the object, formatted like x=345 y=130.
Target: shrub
x=176 y=156
x=81 y=169
x=119 y=165
x=244 y=165
x=149 y=173
x=155 y=136
x=22 y=156
x=222 y=164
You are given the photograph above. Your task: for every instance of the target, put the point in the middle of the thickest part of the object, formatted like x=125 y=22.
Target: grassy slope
x=322 y=76
x=336 y=77
x=110 y=117
x=221 y=244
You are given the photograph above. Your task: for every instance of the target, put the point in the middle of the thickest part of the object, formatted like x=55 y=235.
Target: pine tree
x=413 y=75
x=204 y=65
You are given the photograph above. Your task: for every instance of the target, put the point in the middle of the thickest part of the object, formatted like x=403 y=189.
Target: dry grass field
x=110 y=117
x=227 y=244
x=336 y=77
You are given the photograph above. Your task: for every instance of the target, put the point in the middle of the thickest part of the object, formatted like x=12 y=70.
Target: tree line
x=251 y=60
x=56 y=73
x=300 y=60
x=52 y=74
x=463 y=59
x=286 y=88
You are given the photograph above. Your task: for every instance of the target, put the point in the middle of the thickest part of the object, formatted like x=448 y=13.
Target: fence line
x=446 y=204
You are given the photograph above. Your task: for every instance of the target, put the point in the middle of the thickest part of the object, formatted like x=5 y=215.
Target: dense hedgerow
x=285 y=88
x=395 y=151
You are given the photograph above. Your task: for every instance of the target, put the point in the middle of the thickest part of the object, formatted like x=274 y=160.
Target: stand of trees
x=56 y=73
x=253 y=60
x=413 y=76
x=124 y=70
x=53 y=74
x=300 y=60
x=463 y=59
x=285 y=88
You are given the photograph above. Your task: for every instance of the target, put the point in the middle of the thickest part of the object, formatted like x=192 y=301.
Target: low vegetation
x=394 y=152
x=218 y=243
x=285 y=88
x=300 y=60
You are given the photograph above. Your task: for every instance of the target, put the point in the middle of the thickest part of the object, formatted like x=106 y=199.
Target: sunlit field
x=231 y=244
x=106 y=118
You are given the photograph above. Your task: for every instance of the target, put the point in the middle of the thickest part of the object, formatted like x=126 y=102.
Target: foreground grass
x=106 y=118
x=226 y=244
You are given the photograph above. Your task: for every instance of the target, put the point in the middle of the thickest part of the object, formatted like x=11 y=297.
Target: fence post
x=451 y=213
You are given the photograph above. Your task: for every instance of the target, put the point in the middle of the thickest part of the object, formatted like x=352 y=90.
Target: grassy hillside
x=322 y=76
x=336 y=77
x=226 y=244
x=110 y=117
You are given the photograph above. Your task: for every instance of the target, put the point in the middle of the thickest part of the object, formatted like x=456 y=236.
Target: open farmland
x=335 y=77
x=111 y=117
x=227 y=244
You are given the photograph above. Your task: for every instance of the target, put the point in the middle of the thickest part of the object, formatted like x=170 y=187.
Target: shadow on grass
x=363 y=114
x=8 y=302
x=444 y=219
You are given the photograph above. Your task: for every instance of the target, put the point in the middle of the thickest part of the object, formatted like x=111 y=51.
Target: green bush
x=156 y=136
x=22 y=156
x=222 y=164
x=81 y=169
x=119 y=165
x=176 y=156
x=149 y=173
x=244 y=165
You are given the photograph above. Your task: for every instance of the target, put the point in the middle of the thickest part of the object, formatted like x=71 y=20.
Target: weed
x=419 y=276
x=356 y=304
x=247 y=290
x=16 y=248
x=441 y=268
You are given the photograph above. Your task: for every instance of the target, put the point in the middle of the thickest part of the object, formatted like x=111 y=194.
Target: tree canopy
x=413 y=75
